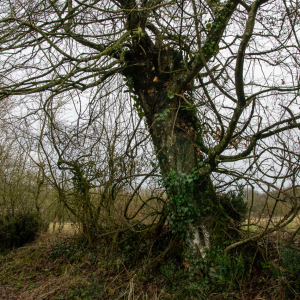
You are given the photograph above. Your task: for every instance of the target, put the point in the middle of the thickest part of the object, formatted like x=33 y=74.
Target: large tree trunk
x=159 y=77
x=176 y=135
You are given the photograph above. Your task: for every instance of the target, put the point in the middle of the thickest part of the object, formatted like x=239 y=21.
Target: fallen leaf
x=155 y=79
x=186 y=265
x=153 y=68
x=111 y=291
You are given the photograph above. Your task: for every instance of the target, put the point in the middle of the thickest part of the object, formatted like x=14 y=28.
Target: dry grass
x=259 y=224
x=67 y=227
x=27 y=273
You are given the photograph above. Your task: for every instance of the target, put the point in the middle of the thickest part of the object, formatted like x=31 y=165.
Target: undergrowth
x=136 y=264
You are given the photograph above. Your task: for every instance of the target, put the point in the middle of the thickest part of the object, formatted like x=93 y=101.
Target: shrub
x=234 y=206
x=290 y=263
x=15 y=231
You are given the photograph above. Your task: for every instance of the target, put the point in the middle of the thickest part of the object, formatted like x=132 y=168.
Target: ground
x=59 y=265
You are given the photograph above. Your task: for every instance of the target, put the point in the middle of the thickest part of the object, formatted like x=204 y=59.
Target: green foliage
x=290 y=268
x=170 y=94
x=137 y=106
x=138 y=32
x=72 y=250
x=164 y=116
x=15 y=231
x=284 y=270
x=182 y=211
x=81 y=291
x=218 y=273
x=234 y=206
x=143 y=245
x=80 y=182
x=168 y=270
x=229 y=268
x=130 y=84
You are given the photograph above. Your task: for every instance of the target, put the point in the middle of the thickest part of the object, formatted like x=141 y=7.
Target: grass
x=66 y=227
x=260 y=224
x=60 y=266
x=38 y=271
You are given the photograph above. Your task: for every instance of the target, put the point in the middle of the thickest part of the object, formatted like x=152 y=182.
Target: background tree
x=217 y=84
x=22 y=188
x=86 y=157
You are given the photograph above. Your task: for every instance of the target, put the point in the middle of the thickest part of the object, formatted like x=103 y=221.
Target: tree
x=22 y=188
x=84 y=156
x=217 y=83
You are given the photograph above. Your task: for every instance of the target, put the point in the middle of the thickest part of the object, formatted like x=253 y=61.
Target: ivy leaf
x=170 y=94
x=217 y=49
x=153 y=164
x=184 y=209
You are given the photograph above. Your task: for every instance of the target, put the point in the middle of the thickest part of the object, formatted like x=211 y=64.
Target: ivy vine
x=182 y=211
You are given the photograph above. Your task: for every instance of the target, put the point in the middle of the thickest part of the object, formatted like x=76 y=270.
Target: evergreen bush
x=17 y=230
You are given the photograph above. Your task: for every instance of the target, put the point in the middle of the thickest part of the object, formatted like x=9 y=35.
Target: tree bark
x=176 y=135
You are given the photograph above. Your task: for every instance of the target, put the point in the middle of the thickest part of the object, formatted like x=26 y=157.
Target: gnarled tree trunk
x=176 y=135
